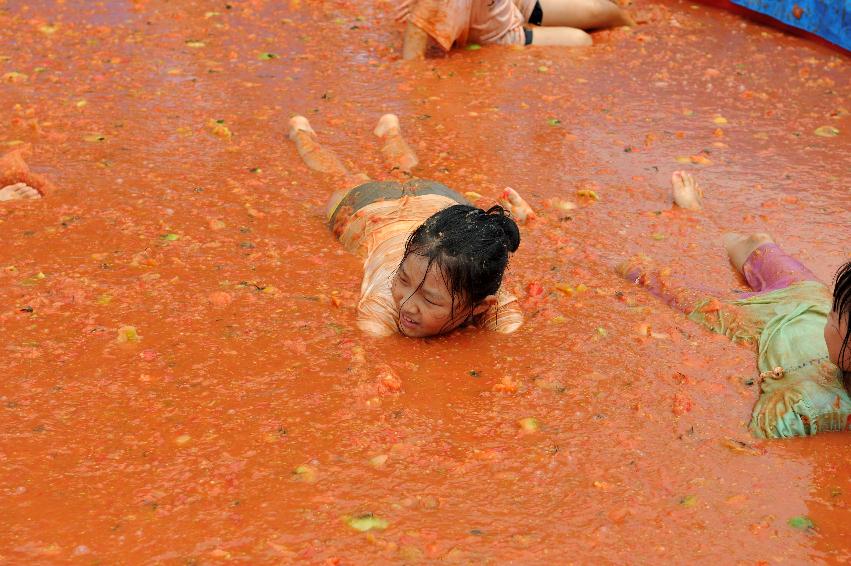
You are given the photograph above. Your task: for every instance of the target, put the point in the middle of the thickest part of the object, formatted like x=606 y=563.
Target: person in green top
x=799 y=329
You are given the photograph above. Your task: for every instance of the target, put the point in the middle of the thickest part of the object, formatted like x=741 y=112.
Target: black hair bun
x=509 y=227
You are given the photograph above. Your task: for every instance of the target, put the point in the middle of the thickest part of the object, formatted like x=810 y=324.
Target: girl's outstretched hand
x=519 y=208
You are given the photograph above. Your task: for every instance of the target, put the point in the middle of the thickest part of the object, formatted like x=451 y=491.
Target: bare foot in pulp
x=19 y=191
x=385 y=124
x=687 y=193
x=299 y=124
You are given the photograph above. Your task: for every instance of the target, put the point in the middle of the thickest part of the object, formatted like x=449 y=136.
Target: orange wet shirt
x=378 y=233
x=460 y=22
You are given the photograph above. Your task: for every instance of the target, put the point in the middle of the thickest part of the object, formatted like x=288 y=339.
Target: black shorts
x=535 y=18
x=374 y=191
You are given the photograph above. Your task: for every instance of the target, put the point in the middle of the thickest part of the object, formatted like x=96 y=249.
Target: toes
x=28 y=192
x=20 y=191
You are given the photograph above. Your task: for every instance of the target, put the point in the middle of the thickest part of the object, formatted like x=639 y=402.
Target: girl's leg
x=699 y=304
x=560 y=36
x=323 y=160
x=414 y=43
x=397 y=153
x=740 y=247
x=765 y=266
x=641 y=271
x=583 y=14
x=314 y=155
x=701 y=307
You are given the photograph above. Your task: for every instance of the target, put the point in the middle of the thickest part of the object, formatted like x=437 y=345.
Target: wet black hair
x=842 y=304
x=471 y=247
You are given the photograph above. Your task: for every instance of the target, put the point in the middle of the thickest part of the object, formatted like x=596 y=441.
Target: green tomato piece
x=529 y=424
x=367 y=522
x=802 y=523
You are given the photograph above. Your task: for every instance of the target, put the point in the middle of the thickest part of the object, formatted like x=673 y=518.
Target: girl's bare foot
x=18 y=191
x=385 y=124
x=299 y=124
x=740 y=247
x=687 y=193
x=397 y=153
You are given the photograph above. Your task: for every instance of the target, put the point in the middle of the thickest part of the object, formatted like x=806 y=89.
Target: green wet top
x=793 y=326
x=787 y=327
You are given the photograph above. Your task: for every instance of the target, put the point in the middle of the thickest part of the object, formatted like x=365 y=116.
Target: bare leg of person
x=323 y=160
x=584 y=14
x=560 y=36
x=414 y=43
x=18 y=191
x=314 y=155
x=396 y=151
x=740 y=247
x=688 y=195
x=642 y=271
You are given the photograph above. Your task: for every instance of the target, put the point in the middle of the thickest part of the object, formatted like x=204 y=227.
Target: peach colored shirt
x=460 y=22
x=378 y=233
x=526 y=8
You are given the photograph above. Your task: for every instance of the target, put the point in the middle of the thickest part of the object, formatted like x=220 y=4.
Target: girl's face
x=426 y=310
x=834 y=333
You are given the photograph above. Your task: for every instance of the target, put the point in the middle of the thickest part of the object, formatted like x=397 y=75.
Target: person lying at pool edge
x=432 y=261
x=800 y=332
x=504 y=22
